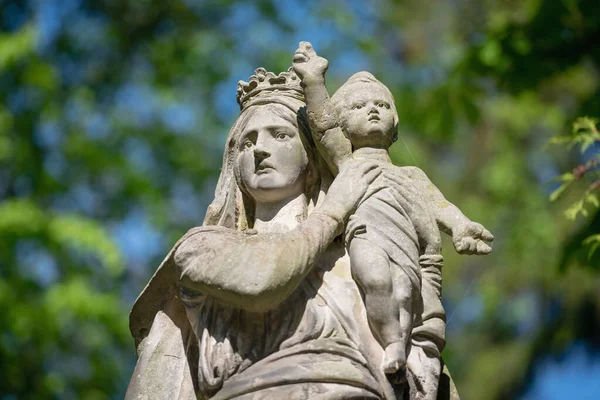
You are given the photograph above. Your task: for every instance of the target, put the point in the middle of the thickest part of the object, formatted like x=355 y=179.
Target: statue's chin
x=270 y=188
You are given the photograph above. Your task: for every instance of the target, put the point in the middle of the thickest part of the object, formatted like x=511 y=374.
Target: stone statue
x=393 y=234
x=261 y=302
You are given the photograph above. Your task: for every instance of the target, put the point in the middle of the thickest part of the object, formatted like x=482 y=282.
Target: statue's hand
x=472 y=238
x=308 y=64
x=350 y=185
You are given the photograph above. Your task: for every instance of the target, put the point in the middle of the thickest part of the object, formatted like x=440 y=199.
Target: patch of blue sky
x=73 y=110
x=138 y=240
x=294 y=12
x=241 y=19
x=322 y=34
x=48 y=134
x=573 y=375
x=350 y=62
x=469 y=310
x=23 y=99
x=50 y=15
x=592 y=153
x=544 y=169
x=96 y=126
x=71 y=72
x=55 y=164
x=84 y=199
x=179 y=118
x=187 y=204
x=88 y=33
x=80 y=198
x=37 y=263
x=140 y=69
x=136 y=104
x=225 y=102
x=522 y=312
x=140 y=155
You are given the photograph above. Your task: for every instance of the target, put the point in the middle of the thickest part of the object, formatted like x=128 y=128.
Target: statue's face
x=368 y=116
x=272 y=160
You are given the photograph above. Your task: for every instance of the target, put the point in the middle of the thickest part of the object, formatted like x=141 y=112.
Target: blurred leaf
x=559 y=191
x=21 y=217
x=593 y=242
x=491 y=53
x=88 y=236
x=15 y=46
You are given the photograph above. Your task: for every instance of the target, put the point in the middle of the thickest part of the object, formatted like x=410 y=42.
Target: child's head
x=366 y=111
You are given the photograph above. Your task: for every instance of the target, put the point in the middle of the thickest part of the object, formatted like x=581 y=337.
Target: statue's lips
x=374 y=118
x=264 y=168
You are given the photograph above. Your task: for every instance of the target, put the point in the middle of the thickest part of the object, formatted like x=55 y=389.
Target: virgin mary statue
x=259 y=302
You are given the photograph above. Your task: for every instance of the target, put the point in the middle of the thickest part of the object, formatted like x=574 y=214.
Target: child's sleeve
x=446 y=214
x=324 y=124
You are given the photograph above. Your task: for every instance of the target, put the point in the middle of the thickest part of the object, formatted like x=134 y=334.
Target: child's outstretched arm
x=468 y=237
x=323 y=119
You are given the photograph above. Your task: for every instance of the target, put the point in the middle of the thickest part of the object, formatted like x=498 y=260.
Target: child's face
x=368 y=116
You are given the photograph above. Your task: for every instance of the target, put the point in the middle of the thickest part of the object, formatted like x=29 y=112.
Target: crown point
x=264 y=82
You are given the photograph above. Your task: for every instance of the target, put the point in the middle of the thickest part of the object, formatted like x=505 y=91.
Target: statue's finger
x=304 y=45
x=483 y=248
x=300 y=58
x=460 y=246
x=475 y=229
x=472 y=246
x=487 y=235
x=371 y=175
x=310 y=50
x=307 y=48
x=301 y=51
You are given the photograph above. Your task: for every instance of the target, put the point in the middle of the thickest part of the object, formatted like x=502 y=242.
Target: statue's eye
x=248 y=144
x=357 y=106
x=281 y=136
x=383 y=105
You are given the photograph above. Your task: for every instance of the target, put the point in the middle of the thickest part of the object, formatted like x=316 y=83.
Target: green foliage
x=113 y=117
x=584 y=135
x=16 y=46
x=593 y=242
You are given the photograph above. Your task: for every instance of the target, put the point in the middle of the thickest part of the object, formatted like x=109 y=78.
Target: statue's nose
x=260 y=152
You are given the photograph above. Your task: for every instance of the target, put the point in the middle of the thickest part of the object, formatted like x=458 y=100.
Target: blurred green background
x=113 y=117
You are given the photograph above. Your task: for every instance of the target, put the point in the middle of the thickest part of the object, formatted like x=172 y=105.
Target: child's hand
x=471 y=238
x=308 y=64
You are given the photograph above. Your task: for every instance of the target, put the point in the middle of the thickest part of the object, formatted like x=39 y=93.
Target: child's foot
x=394 y=358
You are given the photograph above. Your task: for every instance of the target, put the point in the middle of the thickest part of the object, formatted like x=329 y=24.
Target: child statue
x=400 y=218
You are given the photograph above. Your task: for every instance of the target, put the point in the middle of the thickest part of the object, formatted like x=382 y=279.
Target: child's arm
x=468 y=237
x=330 y=139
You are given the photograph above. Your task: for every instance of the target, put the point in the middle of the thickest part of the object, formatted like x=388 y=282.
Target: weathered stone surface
x=317 y=272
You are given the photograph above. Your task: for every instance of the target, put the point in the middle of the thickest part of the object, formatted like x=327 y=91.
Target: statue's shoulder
x=410 y=172
x=202 y=229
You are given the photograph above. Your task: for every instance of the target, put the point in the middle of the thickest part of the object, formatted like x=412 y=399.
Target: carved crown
x=265 y=83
